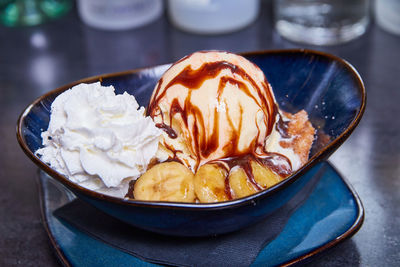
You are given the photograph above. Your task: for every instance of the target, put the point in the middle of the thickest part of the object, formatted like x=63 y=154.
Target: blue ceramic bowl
x=327 y=87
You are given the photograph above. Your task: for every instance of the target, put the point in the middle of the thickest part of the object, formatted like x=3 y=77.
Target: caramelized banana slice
x=240 y=183
x=263 y=175
x=209 y=183
x=168 y=181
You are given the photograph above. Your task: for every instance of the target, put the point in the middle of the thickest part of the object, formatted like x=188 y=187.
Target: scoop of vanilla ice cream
x=98 y=139
x=212 y=105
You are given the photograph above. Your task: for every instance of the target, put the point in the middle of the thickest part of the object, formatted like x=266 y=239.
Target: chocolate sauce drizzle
x=282 y=127
x=171 y=132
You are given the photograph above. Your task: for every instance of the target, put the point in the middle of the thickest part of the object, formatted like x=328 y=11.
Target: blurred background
x=62 y=40
x=47 y=43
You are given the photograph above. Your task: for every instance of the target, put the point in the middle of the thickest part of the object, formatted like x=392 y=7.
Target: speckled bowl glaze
x=327 y=87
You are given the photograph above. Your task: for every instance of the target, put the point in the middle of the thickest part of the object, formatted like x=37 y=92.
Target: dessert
x=99 y=140
x=220 y=120
x=212 y=132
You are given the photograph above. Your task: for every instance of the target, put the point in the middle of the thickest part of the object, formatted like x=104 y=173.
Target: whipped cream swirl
x=98 y=139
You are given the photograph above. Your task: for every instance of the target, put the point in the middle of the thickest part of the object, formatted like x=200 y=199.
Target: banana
x=209 y=183
x=168 y=181
x=240 y=183
x=264 y=176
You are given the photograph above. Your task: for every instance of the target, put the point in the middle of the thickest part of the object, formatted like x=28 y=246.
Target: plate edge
x=352 y=230
x=54 y=245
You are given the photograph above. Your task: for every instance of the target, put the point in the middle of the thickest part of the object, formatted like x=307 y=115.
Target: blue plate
x=327 y=87
x=331 y=213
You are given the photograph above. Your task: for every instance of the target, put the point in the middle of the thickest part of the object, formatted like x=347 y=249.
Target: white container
x=119 y=14
x=387 y=15
x=212 y=16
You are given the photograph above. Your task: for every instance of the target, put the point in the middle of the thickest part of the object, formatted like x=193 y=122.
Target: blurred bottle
x=212 y=16
x=387 y=15
x=321 y=22
x=119 y=14
x=31 y=12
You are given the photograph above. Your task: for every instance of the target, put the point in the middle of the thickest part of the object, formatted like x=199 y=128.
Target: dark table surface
x=34 y=60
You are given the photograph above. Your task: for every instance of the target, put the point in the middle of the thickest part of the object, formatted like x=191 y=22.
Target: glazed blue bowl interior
x=327 y=87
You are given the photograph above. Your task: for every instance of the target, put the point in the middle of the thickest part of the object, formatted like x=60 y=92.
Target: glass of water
x=321 y=22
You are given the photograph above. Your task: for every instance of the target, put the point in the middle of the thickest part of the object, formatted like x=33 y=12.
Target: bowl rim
x=317 y=157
